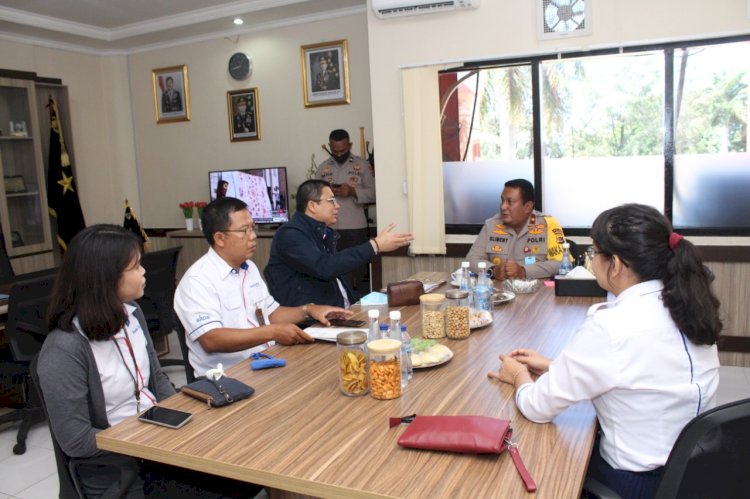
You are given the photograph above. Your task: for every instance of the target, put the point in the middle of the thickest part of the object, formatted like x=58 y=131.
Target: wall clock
x=240 y=66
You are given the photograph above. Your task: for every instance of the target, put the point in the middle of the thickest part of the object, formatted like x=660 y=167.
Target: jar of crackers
x=352 y=351
x=433 y=315
x=385 y=368
x=457 y=314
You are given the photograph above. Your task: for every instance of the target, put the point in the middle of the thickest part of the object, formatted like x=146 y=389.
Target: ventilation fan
x=563 y=18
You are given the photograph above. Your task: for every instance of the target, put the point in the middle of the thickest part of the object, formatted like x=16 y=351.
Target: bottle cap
x=566 y=245
x=373 y=313
x=403 y=327
x=482 y=265
x=395 y=315
x=384 y=327
x=465 y=265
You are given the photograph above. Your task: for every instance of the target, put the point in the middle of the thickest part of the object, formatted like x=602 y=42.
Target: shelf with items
x=23 y=200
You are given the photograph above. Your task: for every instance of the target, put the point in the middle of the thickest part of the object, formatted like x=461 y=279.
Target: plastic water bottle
x=565 y=265
x=394 y=332
x=465 y=282
x=373 y=316
x=384 y=330
x=483 y=290
x=407 y=370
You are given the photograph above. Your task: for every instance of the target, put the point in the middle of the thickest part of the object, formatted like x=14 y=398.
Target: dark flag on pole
x=62 y=197
x=132 y=224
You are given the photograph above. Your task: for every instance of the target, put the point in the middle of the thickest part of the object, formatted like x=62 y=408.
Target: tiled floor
x=33 y=475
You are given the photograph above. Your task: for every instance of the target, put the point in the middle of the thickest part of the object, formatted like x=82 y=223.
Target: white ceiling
x=126 y=26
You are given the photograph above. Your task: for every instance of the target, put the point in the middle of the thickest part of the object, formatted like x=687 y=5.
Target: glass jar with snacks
x=352 y=350
x=433 y=315
x=385 y=368
x=457 y=314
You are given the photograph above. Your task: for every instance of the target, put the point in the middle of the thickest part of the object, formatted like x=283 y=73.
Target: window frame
x=668 y=50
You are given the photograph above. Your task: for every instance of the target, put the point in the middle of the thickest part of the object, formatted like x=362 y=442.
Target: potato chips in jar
x=352 y=354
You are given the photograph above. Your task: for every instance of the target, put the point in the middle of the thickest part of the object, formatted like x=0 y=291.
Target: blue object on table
x=3 y=296
x=265 y=361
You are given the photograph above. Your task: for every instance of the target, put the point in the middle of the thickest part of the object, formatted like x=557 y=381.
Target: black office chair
x=26 y=330
x=158 y=297
x=189 y=373
x=68 y=468
x=710 y=459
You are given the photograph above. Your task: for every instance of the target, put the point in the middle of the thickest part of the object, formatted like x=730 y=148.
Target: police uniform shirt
x=358 y=173
x=538 y=247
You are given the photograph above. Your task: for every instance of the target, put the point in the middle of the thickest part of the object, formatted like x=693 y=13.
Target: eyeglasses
x=331 y=200
x=246 y=231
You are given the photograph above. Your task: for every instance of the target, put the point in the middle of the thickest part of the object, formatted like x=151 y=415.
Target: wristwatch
x=305 y=311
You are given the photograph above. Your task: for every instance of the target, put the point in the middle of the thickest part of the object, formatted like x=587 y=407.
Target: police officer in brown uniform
x=354 y=187
x=519 y=242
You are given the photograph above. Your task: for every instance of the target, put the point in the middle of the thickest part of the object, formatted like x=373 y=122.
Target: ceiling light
x=238 y=21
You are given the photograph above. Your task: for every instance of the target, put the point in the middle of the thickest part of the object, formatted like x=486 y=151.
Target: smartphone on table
x=164 y=416
x=346 y=323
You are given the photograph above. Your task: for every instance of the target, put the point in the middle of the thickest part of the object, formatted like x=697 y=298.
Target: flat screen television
x=263 y=189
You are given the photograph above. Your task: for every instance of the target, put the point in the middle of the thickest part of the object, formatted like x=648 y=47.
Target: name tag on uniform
x=529 y=260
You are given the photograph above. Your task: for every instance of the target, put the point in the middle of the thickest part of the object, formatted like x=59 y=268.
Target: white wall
x=505 y=28
x=174 y=159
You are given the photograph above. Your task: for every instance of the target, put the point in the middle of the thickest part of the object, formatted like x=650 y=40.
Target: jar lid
x=351 y=337
x=432 y=298
x=384 y=345
x=456 y=294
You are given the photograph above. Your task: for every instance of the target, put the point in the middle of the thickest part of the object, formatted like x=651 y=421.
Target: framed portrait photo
x=171 y=94
x=325 y=73
x=243 y=109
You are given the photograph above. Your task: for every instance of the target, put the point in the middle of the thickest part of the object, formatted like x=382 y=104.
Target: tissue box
x=570 y=286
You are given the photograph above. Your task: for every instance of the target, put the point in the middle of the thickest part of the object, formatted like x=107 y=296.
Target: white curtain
x=424 y=163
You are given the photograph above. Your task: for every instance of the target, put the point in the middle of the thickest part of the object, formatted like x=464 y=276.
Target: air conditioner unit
x=395 y=8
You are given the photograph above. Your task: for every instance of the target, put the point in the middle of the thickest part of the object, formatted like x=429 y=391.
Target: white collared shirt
x=644 y=378
x=116 y=372
x=213 y=295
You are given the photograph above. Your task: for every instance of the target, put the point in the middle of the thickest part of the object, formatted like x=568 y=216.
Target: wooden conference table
x=299 y=433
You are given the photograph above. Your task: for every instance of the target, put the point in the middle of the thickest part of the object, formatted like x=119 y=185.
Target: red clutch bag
x=464 y=434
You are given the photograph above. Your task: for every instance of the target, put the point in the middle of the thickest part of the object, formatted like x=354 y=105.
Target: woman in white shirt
x=98 y=367
x=647 y=360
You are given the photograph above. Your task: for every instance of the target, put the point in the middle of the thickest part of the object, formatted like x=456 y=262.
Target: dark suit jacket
x=304 y=265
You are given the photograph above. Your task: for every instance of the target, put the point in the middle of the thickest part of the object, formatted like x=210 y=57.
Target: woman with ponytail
x=647 y=360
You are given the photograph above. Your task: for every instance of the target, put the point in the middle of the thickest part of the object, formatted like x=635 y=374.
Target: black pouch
x=218 y=393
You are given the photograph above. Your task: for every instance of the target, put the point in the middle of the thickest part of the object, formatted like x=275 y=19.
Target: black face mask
x=341 y=159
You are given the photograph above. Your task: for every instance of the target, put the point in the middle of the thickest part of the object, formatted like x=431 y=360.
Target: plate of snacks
x=429 y=353
x=521 y=286
x=479 y=318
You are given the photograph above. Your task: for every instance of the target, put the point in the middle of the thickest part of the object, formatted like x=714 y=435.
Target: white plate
x=501 y=297
x=435 y=363
x=479 y=319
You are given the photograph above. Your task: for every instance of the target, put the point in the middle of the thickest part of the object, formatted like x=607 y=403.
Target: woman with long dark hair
x=647 y=359
x=98 y=367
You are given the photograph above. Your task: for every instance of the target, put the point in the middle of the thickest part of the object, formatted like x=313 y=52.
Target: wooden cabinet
x=23 y=200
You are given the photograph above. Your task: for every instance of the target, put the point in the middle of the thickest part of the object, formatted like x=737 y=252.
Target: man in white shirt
x=223 y=302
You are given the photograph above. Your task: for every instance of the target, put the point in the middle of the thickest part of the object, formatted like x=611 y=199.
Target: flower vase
x=200 y=225
x=189 y=224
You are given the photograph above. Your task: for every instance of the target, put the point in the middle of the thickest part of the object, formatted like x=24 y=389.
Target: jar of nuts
x=352 y=350
x=433 y=315
x=385 y=368
x=457 y=314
